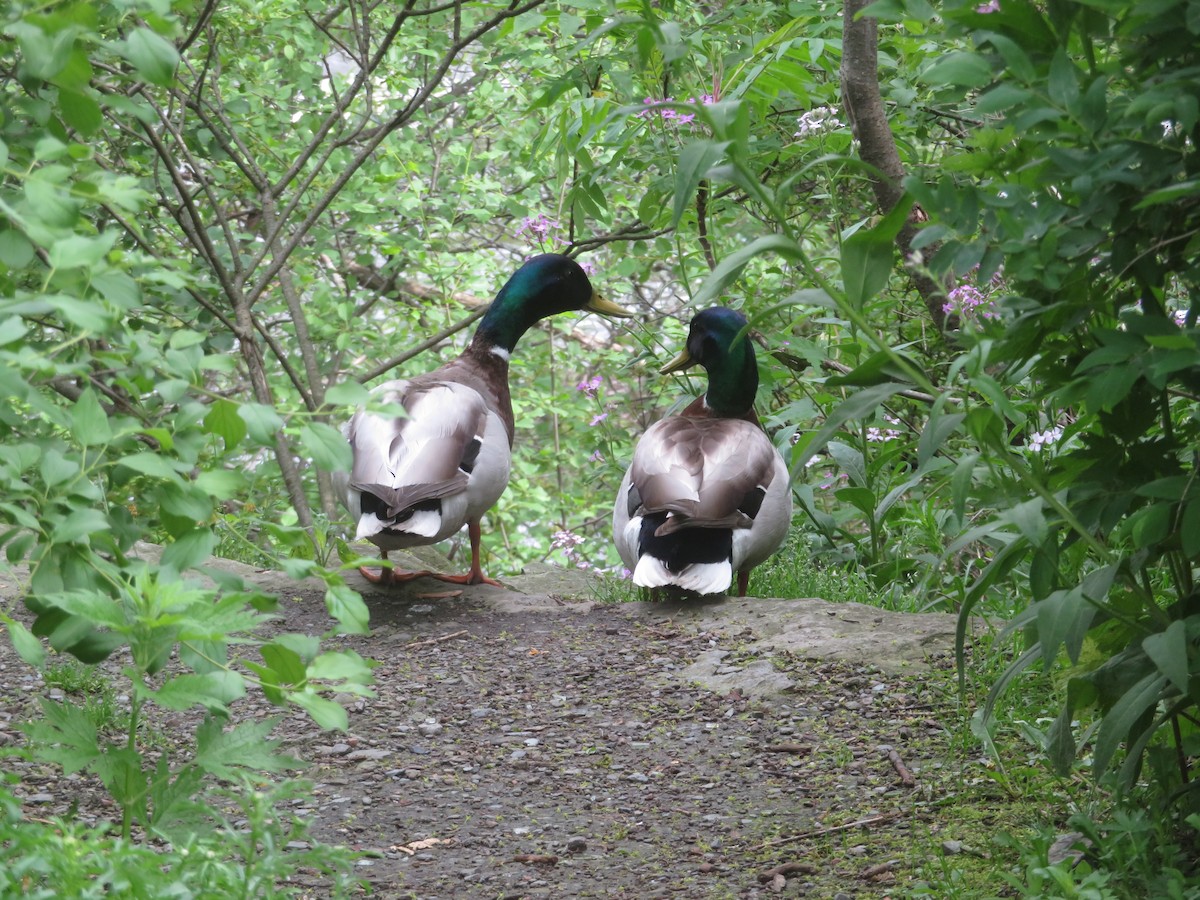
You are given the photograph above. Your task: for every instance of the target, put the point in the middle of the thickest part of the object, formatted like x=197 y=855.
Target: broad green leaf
x=1122 y=717
x=86 y=315
x=89 y=421
x=327 y=446
x=867 y=261
x=959 y=67
x=347 y=606
x=81 y=250
x=15 y=250
x=154 y=57
x=223 y=484
x=78 y=526
x=731 y=266
x=189 y=549
x=285 y=663
x=327 y=714
x=340 y=666
x=261 y=421
x=212 y=690
x=224 y=420
x=66 y=736
x=694 y=162
x=28 y=647
x=348 y=393
x=1168 y=650
x=153 y=464
x=247 y=746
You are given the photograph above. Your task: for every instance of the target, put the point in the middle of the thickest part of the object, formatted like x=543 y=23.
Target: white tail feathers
x=702 y=578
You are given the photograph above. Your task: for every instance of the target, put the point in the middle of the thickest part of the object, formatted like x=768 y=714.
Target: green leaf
x=189 y=549
x=348 y=393
x=80 y=250
x=78 y=525
x=1120 y=720
x=212 y=690
x=863 y=403
x=343 y=667
x=153 y=464
x=223 y=484
x=225 y=421
x=867 y=261
x=154 y=58
x=285 y=663
x=347 y=606
x=327 y=446
x=89 y=421
x=65 y=737
x=28 y=647
x=261 y=421
x=327 y=714
x=224 y=754
x=731 y=266
x=694 y=162
x=961 y=68
x=15 y=250
x=1168 y=650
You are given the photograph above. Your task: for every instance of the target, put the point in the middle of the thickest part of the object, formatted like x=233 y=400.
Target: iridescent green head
x=544 y=286
x=719 y=340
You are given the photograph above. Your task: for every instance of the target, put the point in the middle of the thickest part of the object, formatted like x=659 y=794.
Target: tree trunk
x=877 y=145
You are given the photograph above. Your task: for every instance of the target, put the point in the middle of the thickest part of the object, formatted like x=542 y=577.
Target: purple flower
x=597 y=419
x=589 y=386
x=968 y=301
x=540 y=226
x=990 y=7
x=589 y=268
x=596 y=456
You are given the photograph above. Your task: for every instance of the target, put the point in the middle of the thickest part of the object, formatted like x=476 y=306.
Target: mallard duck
x=417 y=479
x=707 y=493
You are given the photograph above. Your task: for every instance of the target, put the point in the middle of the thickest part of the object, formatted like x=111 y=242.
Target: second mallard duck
x=707 y=494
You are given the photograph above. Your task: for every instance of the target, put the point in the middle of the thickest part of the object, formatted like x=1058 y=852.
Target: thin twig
x=869 y=820
x=437 y=640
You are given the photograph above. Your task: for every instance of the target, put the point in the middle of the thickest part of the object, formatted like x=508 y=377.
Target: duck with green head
x=707 y=494
x=417 y=479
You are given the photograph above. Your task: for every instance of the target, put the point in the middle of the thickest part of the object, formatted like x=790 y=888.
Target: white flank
x=702 y=578
x=369 y=525
x=425 y=522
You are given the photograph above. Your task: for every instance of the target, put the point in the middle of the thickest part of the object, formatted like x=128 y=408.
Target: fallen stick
x=788 y=868
x=786 y=748
x=873 y=872
x=906 y=777
x=437 y=640
x=870 y=820
x=541 y=859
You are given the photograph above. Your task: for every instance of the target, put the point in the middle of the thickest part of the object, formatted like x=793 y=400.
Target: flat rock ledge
x=810 y=628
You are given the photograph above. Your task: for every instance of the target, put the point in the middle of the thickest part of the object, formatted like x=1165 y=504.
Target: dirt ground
x=526 y=746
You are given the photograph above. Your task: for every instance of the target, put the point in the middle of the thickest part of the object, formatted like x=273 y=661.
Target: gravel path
x=528 y=746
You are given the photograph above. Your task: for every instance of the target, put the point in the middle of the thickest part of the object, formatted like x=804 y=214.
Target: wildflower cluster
x=818 y=121
x=569 y=542
x=656 y=108
x=540 y=228
x=968 y=302
x=990 y=7
x=589 y=386
x=881 y=435
x=1040 y=439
